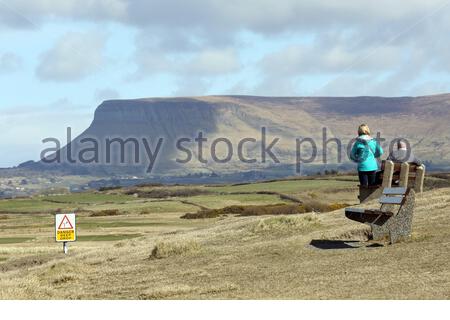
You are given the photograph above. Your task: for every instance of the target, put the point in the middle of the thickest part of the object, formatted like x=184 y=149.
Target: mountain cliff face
x=153 y=127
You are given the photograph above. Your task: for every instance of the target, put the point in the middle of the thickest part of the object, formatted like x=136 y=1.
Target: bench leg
x=400 y=225
x=379 y=233
x=393 y=228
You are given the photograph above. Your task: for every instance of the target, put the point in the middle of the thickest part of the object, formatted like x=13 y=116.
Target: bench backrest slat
x=391 y=200
x=412 y=166
x=394 y=191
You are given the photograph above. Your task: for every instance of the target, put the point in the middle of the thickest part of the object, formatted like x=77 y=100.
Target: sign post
x=65 y=229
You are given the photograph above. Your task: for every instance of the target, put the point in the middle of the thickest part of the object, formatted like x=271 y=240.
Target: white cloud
x=9 y=62
x=216 y=17
x=329 y=56
x=213 y=62
x=31 y=13
x=204 y=63
x=74 y=57
x=353 y=37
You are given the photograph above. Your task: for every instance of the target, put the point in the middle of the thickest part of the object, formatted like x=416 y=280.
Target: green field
x=288 y=187
x=117 y=214
x=10 y=240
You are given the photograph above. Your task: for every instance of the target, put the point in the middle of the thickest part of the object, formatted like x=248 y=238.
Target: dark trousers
x=367 y=178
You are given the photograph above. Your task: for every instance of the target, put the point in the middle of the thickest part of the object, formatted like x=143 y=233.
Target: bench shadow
x=341 y=244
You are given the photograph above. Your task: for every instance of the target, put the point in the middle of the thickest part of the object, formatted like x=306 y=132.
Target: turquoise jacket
x=365 y=151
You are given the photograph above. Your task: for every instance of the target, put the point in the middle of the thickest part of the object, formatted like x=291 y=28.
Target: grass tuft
x=63 y=279
x=287 y=223
x=176 y=248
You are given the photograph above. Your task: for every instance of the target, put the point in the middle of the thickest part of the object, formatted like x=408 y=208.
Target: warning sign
x=65 y=227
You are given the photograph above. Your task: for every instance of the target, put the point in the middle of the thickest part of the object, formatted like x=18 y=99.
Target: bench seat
x=368 y=212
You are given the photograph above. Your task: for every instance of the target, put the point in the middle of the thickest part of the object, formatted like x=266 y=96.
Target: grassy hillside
x=143 y=250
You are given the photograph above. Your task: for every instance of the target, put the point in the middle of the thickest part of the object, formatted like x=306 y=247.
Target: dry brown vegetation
x=275 y=209
x=104 y=213
x=174 y=248
x=297 y=256
x=162 y=193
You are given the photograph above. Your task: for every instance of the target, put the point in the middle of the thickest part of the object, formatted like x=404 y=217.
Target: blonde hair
x=363 y=129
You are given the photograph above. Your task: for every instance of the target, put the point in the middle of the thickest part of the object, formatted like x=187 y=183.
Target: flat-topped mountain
x=163 y=133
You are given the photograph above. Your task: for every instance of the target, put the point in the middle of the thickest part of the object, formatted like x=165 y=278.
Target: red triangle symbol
x=65 y=223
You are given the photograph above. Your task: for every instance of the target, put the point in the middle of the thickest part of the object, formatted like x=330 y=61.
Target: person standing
x=365 y=152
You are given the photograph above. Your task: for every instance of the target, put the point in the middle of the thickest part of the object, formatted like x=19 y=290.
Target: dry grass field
x=143 y=250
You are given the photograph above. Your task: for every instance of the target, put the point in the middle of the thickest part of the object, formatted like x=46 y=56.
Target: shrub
x=160 y=193
x=202 y=214
x=275 y=209
x=337 y=206
x=260 y=210
x=143 y=185
x=103 y=213
x=109 y=188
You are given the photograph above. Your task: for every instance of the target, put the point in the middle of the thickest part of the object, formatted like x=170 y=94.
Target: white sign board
x=65 y=227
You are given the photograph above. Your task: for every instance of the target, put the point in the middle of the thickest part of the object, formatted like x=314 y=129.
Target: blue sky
x=60 y=59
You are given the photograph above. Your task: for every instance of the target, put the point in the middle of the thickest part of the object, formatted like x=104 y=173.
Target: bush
x=337 y=206
x=261 y=210
x=109 y=188
x=103 y=213
x=202 y=214
x=176 y=248
x=161 y=193
x=143 y=185
x=275 y=209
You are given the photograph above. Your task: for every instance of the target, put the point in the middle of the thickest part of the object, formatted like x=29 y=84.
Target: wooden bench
x=395 y=174
x=394 y=218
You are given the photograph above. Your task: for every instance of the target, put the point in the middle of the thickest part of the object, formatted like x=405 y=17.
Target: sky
x=59 y=59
